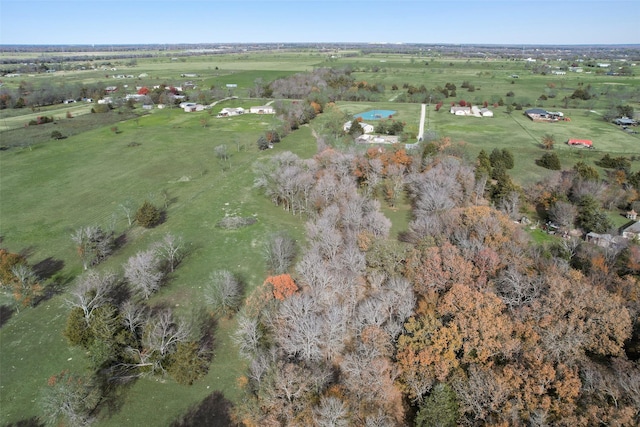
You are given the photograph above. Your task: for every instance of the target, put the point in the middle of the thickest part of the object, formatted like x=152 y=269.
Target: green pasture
x=55 y=187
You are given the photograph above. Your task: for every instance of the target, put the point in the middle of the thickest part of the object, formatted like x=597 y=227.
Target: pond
x=376 y=114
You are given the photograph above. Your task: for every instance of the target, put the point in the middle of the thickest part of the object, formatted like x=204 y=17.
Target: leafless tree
x=93 y=245
x=334 y=332
x=248 y=337
x=134 y=316
x=510 y=204
x=299 y=327
x=142 y=271
x=223 y=292
x=517 y=289
x=171 y=248
x=164 y=333
x=92 y=291
x=331 y=412
x=129 y=209
x=563 y=213
x=279 y=252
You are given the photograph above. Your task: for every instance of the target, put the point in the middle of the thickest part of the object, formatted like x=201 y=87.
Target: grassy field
x=49 y=188
x=56 y=187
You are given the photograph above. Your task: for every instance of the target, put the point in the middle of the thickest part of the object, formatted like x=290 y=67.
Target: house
x=366 y=127
x=580 y=143
x=228 y=112
x=632 y=232
x=536 y=114
x=485 y=112
x=632 y=215
x=606 y=240
x=264 y=109
x=460 y=111
x=541 y=115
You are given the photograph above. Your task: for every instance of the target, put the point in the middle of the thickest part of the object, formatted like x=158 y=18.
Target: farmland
x=49 y=188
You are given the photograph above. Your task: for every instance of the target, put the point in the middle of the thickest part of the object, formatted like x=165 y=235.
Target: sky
x=515 y=22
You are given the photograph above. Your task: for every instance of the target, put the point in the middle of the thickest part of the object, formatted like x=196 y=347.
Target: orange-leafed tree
x=283 y=286
x=8 y=261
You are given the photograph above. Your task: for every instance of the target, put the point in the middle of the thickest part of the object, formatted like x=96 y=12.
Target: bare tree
x=510 y=204
x=517 y=289
x=299 y=327
x=142 y=271
x=134 y=316
x=223 y=292
x=164 y=333
x=248 y=336
x=279 y=252
x=71 y=397
x=129 y=209
x=331 y=412
x=171 y=248
x=563 y=213
x=92 y=291
x=93 y=245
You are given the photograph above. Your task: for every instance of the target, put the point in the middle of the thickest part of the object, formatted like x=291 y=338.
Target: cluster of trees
x=465 y=323
x=328 y=84
x=30 y=95
x=124 y=336
x=580 y=197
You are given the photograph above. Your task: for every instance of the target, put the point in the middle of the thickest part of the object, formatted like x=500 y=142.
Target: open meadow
x=108 y=161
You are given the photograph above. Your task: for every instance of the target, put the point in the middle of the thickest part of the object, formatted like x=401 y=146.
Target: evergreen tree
x=439 y=409
x=148 y=216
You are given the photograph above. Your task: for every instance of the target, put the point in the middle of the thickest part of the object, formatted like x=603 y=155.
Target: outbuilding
x=580 y=143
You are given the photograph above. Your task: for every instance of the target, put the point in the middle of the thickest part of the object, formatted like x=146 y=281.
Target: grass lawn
x=58 y=186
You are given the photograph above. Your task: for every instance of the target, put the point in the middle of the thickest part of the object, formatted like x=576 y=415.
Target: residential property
x=471 y=111
x=605 y=240
x=460 y=111
x=632 y=231
x=580 y=143
x=228 y=112
x=366 y=127
x=541 y=115
x=264 y=109
x=632 y=215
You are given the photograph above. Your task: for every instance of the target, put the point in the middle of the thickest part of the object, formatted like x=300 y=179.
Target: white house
x=264 y=109
x=460 y=111
x=228 y=112
x=366 y=127
x=485 y=112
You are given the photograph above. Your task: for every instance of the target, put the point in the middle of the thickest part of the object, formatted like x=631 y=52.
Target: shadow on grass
x=213 y=411
x=46 y=268
x=29 y=422
x=5 y=314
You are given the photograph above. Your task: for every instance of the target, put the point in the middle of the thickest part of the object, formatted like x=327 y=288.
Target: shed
x=632 y=231
x=485 y=112
x=580 y=143
x=264 y=109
